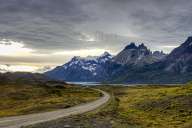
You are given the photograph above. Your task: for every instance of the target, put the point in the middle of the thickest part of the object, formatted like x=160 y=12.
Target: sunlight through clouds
x=13 y=48
x=10 y=48
x=16 y=68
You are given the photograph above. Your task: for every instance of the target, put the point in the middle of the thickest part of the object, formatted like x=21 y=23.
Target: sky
x=38 y=34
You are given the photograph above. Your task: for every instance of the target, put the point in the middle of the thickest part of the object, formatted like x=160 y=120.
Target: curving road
x=24 y=120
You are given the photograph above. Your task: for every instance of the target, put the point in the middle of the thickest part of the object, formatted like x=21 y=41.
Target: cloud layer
x=49 y=26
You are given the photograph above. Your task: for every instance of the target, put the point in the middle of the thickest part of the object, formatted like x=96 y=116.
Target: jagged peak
x=142 y=46
x=190 y=38
x=161 y=52
x=131 y=46
x=76 y=58
x=157 y=53
x=91 y=58
x=134 y=46
x=105 y=54
x=188 y=42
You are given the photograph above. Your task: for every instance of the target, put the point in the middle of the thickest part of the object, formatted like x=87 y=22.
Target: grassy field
x=137 y=107
x=157 y=107
x=25 y=99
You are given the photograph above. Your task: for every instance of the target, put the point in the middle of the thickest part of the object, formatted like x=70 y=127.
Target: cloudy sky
x=38 y=33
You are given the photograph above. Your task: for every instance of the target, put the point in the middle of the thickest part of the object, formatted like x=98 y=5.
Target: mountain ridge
x=90 y=68
x=101 y=68
x=176 y=67
x=138 y=55
x=134 y=64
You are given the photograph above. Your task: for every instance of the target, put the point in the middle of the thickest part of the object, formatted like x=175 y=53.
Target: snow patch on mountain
x=82 y=68
x=88 y=63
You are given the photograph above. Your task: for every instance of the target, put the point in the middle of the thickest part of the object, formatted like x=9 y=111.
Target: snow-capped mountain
x=90 y=68
x=134 y=64
x=102 y=68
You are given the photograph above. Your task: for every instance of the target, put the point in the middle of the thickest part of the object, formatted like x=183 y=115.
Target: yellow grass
x=25 y=99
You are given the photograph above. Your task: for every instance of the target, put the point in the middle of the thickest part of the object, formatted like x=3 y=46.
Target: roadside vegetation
x=136 y=107
x=19 y=99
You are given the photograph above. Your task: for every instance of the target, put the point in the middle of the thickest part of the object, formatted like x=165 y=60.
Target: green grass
x=137 y=107
x=25 y=99
x=156 y=106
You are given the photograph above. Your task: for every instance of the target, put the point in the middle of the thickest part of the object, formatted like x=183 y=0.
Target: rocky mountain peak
x=180 y=59
x=142 y=46
x=159 y=55
x=135 y=55
x=131 y=46
x=105 y=54
x=90 y=68
x=176 y=66
x=75 y=58
x=186 y=47
x=188 y=41
x=183 y=49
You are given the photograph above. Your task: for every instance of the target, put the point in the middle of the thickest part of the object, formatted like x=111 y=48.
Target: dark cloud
x=52 y=25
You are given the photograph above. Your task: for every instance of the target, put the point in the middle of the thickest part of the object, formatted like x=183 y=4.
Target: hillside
x=23 y=78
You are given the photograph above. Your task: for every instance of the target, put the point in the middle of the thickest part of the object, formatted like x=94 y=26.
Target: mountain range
x=134 y=64
x=89 y=68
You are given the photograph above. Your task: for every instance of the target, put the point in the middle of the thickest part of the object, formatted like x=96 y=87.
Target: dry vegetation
x=157 y=107
x=137 y=107
x=25 y=99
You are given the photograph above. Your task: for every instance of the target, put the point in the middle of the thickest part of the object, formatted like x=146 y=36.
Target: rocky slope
x=180 y=59
x=174 y=68
x=138 y=55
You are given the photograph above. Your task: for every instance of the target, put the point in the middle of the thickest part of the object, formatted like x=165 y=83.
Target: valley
x=95 y=64
x=158 y=96
x=152 y=106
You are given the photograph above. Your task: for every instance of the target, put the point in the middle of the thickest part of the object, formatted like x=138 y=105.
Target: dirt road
x=24 y=120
